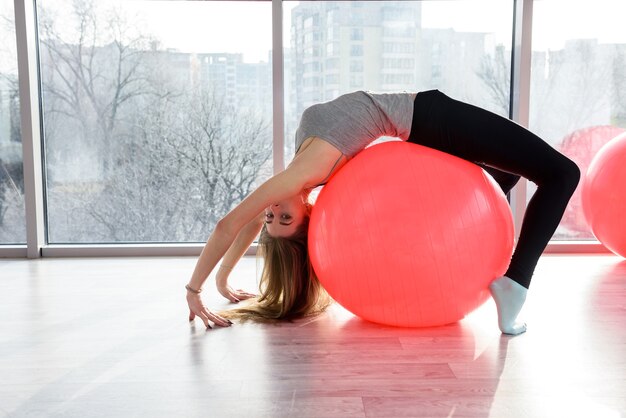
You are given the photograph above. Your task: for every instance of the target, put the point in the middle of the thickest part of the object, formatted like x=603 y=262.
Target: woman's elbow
x=225 y=227
x=230 y=226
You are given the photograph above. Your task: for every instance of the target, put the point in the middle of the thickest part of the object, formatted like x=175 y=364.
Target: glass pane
x=460 y=47
x=157 y=115
x=12 y=215
x=578 y=86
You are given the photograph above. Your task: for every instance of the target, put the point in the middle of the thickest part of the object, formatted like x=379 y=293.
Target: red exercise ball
x=604 y=195
x=581 y=146
x=409 y=236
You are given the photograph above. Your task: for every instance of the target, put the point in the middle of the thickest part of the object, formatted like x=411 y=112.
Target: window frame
x=34 y=191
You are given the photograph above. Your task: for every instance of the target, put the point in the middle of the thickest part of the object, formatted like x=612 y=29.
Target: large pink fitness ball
x=604 y=195
x=409 y=236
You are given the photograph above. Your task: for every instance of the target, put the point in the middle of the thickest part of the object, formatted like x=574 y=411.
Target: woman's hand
x=221 y=280
x=197 y=308
x=232 y=294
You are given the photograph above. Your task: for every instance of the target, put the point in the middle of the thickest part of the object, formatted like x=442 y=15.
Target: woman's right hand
x=235 y=296
x=197 y=308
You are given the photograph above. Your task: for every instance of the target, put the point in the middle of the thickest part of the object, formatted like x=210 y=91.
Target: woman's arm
x=282 y=186
x=235 y=252
x=306 y=170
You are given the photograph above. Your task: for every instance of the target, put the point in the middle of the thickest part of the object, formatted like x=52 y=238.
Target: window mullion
x=30 y=125
x=278 y=86
x=520 y=90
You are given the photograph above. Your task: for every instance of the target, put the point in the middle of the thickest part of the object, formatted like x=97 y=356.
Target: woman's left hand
x=232 y=294
x=197 y=308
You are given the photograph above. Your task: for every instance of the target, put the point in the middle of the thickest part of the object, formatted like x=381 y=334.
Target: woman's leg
x=426 y=131
x=483 y=137
x=490 y=139
x=505 y=180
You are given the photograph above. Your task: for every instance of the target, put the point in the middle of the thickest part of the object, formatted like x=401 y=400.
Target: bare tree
x=190 y=160
x=12 y=224
x=619 y=83
x=591 y=84
x=495 y=72
x=12 y=221
x=176 y=161
x=91 y=76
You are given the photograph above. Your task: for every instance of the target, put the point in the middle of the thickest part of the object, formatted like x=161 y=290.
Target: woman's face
x=283 y=218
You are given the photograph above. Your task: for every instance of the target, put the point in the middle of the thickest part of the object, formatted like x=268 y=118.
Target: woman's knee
x=560 y=174
x=568 y=174
x=573 y=173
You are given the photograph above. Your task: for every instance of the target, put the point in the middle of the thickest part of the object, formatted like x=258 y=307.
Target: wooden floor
x=110 y=338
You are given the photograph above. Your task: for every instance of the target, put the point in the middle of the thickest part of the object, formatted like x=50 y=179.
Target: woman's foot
x=509 y=296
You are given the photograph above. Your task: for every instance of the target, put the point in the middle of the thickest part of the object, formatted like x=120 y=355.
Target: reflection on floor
x=110 y=338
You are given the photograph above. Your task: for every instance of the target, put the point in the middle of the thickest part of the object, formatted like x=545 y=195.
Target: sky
x=196 y=26
x=555 y=22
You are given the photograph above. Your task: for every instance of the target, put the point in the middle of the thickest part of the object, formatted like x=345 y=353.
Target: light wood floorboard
x=109 y=337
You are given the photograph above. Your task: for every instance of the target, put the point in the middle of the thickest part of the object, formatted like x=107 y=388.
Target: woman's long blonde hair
x=289 y=288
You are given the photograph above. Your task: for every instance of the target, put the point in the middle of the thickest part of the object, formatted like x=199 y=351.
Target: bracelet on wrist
x=192 y=290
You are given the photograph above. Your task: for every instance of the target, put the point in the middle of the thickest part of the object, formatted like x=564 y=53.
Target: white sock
x=509 y=296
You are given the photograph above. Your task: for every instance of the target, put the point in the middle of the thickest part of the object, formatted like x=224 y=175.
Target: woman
x=333 y=132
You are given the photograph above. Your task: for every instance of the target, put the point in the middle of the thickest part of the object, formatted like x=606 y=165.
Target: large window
x=578 y=85
x=454 y=46
x=12 y=215
x=157 y=115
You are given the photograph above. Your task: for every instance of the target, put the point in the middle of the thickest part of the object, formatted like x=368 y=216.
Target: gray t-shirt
x=354 y=120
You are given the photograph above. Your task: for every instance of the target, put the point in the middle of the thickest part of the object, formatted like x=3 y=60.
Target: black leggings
x=507 y=151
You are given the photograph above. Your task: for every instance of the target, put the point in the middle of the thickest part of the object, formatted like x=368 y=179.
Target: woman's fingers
x=197 y=308
x=228 y=293
x=235 y=296
x=205 y=318
x=242 y=294
x=231 y=297
x=217 y=320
